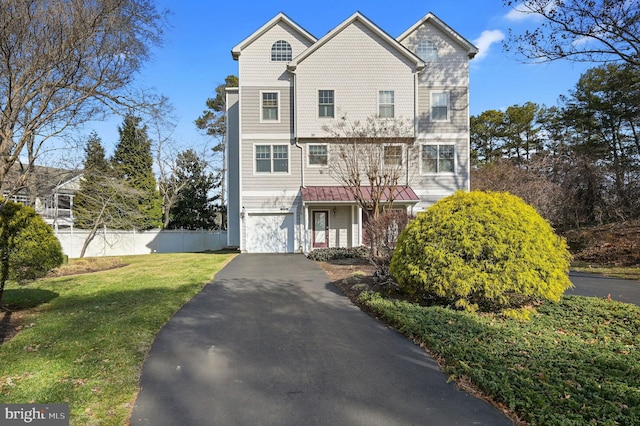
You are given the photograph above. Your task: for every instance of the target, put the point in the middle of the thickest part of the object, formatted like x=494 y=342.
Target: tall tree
x=103 y=200
x=521 y=131
x=194 y=208
x=579 y=30
x=133 y=162
x=487 y=136
x=367 y=158
x=214 y=121
x=64 y=62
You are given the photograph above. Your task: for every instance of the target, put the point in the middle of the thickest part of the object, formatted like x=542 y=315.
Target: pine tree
x=133 y=162
x=194 y=208
x=96 y=170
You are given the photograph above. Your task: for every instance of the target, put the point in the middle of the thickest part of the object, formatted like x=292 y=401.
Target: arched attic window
x=281 y=51
x=427 y=50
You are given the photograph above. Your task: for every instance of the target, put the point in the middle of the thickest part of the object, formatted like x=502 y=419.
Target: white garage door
x=270 y=233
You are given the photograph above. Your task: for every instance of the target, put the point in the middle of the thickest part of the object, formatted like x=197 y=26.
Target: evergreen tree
x=132 y=161
x=194 y=208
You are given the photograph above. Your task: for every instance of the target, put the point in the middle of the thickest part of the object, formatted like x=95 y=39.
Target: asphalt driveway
x=593 y=285
x=271 y=342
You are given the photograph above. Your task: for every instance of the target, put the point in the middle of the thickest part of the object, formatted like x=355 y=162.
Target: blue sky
x=196 y=56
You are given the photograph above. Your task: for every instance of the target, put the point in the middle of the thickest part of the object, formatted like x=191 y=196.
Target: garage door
x=270 y=233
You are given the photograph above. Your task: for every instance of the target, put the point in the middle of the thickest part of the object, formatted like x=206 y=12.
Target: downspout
x=295 y=126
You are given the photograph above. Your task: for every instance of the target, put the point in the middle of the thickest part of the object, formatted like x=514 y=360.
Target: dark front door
x=320 y=229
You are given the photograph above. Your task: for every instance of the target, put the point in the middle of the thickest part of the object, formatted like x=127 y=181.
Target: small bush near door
x=334 y=253
x=482 y=250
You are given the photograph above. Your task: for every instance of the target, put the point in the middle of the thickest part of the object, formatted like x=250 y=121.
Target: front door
x=320 y=229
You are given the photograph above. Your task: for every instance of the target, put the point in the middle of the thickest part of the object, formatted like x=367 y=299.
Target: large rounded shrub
x=481 y=249
x=29 y=244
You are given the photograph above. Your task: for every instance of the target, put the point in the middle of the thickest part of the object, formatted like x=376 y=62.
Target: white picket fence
x=121 y=243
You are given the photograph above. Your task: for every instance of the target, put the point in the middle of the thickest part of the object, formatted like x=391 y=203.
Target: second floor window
x=272 y=158
x=318 y=155
x=438 y=159
x=281 y=51
x=440 y=106
x=325 y=103
x=270 y=106
x=386 y=101
x=393 y=155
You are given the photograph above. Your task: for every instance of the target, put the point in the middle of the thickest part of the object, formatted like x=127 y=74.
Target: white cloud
x=484 y=42
x=518 y=13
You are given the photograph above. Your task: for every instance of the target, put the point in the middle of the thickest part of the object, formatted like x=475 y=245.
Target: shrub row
x=333 y=253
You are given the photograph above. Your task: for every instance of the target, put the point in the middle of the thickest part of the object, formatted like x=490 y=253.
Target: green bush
x=333 y=253
x=481 y=250
x=32 y=248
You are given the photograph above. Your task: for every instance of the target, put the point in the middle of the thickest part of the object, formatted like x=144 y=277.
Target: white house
x=283 y=193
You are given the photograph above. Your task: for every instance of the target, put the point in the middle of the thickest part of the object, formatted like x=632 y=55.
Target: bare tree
x=579 y=30
x=64 y=62
x=110 y=201
x=368 y=159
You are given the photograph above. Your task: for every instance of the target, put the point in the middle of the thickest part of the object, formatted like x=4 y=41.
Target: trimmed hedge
x=333 y=253
x=481 y=250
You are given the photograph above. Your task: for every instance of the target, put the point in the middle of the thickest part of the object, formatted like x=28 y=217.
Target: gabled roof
x=280 y=17
x=358 y=17
x=433 y=19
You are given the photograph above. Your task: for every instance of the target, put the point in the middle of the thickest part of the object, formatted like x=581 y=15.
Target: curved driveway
x=592 y=285
x=271 y=342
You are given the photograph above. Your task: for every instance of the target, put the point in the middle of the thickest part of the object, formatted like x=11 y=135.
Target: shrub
x=333 y=253
x=32 y=248
x=381 y=234
x=481 y=249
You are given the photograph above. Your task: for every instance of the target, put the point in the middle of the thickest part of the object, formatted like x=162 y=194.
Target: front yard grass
x=85 y=337
x=576 y=362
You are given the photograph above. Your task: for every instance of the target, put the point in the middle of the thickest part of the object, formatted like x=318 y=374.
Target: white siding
x=356 y=64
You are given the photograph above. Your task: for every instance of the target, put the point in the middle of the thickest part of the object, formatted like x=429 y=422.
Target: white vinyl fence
x=121 y=243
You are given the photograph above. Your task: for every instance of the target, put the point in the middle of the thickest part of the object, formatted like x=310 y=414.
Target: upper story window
x=386 y=102
x=427 y=50
x=318 y=155
x=438 y=159
x=325 y=103
x=281 y=51
x=393 y=155
x=440 y=106
x=269 y=106
x=272 y=158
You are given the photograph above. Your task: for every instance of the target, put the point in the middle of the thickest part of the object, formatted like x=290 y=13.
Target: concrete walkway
x=270 y=342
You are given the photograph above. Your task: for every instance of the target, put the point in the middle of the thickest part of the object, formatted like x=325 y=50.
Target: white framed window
x=326 y=103
x=393 y=155
x=272 y=158
x=440 y=106
x=438 y=158
x=270 y=103
x=281 y=51
x=386 y=103
x=427 y=50
x=318 y=155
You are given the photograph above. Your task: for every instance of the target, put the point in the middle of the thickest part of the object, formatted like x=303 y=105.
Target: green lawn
x=85 y=341
x=576 y=362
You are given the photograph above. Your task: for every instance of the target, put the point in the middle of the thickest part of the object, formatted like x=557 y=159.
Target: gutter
x=295 y=125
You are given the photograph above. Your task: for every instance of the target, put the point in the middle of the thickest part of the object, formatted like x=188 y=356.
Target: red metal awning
x=342 y=194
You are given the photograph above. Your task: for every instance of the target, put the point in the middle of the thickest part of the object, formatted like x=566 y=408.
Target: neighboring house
x=49 y=191
x=282 y=196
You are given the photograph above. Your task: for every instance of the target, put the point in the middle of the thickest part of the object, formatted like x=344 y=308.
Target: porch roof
x=342 y=194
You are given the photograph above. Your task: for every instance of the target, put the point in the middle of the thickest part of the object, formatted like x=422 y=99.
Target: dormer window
x=427 y=51
x=281 y=51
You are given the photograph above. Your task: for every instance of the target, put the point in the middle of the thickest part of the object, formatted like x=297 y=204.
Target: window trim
x=431 y=106
x=437 y=172
x=384 y=156
x=278 y=109
x=317 y=166
x=392 y=104
x=427 y=54
x=283 y=51
x=271 y=159
x=333 y=104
